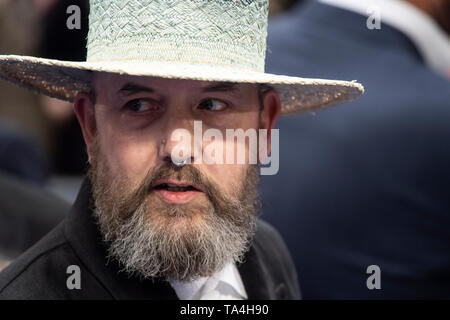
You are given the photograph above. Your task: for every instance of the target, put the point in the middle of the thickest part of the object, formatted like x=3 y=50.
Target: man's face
x=160 y=219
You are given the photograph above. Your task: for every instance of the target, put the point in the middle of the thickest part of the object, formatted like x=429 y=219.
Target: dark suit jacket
x=367 y=182
x=27 y=213
x=267 y=273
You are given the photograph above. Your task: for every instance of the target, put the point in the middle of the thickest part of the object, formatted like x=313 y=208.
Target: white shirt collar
x=224 y=284
x=431 y=41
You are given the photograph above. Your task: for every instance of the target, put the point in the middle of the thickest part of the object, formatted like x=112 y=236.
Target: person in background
x=26 y=211
x=20 y=155
x=40 y=27
x=369 y=182
x=22 y=126
x=277 y=7
x=67 y=153
x=20 y=33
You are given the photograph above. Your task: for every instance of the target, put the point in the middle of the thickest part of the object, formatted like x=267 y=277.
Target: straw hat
x=213 y=40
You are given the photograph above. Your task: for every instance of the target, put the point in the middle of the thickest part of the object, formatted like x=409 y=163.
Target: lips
x=176 y=192
x=175 y=187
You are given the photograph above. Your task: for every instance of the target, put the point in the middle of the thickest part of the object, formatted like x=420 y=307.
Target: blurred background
x=42 y=153
x=366 y=183
x=45 y=128
x=365 y=186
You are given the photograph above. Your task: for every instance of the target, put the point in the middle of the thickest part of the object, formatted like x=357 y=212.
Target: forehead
x=121 y=84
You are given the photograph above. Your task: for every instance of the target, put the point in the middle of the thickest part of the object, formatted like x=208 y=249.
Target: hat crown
x=229 y=33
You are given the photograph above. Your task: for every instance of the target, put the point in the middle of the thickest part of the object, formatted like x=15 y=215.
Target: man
x=373 y=187
x=155 y=221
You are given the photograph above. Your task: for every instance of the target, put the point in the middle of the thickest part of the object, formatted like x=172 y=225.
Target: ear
x=85 y=112
x=270 y=113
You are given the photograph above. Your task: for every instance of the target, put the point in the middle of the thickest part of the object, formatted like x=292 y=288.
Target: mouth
x=176 y=192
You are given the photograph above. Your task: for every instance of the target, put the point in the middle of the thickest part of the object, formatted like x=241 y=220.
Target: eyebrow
x=221 y=86
x=130 y=88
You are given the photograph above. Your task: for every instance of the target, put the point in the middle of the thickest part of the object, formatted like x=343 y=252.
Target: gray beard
x=145 y=247
x=152 y=251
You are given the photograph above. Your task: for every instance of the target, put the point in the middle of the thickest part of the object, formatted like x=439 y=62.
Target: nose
x=177 y=145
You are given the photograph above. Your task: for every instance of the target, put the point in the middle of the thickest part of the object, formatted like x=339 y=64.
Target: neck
x=439 y=10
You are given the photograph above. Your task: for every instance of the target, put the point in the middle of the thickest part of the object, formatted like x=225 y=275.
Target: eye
x=212 y=105
x=139 y=105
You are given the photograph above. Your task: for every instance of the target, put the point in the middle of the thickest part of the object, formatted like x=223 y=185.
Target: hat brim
x=64 y=79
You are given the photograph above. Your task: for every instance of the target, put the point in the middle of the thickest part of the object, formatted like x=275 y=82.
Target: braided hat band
x=212 y=40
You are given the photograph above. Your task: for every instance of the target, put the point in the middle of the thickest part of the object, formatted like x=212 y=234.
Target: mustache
x=168 y=171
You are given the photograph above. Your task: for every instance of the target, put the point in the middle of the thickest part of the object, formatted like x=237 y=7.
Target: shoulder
x=26 y=214
x=276 y=256
x=41 y=272
x=273 y=245
x=268 y=235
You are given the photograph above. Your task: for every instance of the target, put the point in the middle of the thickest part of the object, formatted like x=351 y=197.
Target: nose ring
x=180 y=163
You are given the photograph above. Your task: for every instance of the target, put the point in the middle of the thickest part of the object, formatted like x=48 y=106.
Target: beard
x=152 y=238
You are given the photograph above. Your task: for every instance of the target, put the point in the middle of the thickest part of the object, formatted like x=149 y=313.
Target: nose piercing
x=180 y=163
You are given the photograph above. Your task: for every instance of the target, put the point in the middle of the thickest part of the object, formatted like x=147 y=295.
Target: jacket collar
x=84 y=236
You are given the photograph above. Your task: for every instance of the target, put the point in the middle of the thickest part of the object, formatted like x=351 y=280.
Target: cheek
x=228 y=177
x=129 y=154
x=228 y=167
x=128 y=157
x=237 y=144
